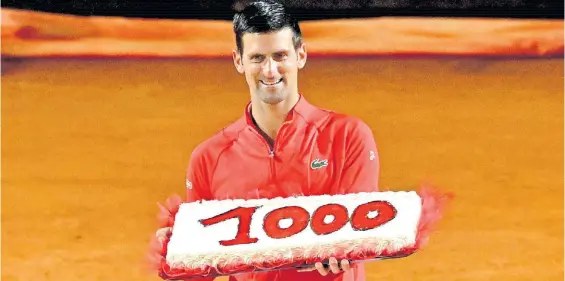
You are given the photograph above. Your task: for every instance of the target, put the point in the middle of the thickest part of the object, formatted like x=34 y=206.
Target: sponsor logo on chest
x=319 y=163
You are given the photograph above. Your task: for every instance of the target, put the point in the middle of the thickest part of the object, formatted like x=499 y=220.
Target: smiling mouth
x=271 y=84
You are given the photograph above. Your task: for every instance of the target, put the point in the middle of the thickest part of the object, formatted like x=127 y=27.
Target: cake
x=224 y=237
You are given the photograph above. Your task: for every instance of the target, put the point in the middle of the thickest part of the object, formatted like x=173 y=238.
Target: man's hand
x=334 y=267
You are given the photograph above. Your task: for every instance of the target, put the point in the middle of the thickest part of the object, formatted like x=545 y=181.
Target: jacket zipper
x=272 y=150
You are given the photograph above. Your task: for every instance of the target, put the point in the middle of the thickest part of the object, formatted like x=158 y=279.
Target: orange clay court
x=89 y=146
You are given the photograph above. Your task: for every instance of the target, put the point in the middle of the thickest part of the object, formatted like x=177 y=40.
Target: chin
x=272 y=98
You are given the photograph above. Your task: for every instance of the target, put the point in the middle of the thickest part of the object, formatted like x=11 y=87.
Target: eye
x=280 y=56
x=257 y=58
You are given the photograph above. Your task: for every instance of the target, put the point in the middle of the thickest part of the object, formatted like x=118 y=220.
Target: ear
x=237 y=61
x=302 y=55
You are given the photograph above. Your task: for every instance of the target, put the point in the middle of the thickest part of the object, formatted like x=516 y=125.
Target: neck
x=270 y=117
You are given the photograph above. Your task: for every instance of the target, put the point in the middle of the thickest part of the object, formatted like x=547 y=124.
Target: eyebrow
x=281 y=51
x=254 y=55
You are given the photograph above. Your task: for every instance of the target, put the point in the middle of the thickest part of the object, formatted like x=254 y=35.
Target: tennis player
x=282 y=145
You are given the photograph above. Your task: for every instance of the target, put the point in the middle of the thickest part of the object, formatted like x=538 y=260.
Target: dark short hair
x=263 y=16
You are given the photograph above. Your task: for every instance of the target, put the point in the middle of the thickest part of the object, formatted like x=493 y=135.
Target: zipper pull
x=271 y=153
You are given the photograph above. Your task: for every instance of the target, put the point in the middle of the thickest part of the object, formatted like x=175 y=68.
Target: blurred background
x=103 y=102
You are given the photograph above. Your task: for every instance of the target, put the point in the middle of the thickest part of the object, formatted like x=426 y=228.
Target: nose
x=270 y=68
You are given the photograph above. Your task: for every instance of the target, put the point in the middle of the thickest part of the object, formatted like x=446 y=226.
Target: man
x=282 y=145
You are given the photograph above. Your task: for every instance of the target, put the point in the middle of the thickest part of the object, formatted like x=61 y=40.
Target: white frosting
x=285 y=223
x=329 y=218
x=193 y=245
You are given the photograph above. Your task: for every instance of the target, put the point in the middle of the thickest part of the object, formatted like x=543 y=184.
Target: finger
x=334 y=266
x=345 y=266
x=320 y=267
x=163 y=233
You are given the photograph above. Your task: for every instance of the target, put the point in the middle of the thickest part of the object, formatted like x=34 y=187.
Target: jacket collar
x=302 y=108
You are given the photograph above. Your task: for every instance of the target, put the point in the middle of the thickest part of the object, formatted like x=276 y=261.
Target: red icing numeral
x=339 y=213
x=360 y=219
x=299 y=216
x=244 y=216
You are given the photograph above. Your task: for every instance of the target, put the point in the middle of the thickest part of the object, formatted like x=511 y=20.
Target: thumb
x=163 y=233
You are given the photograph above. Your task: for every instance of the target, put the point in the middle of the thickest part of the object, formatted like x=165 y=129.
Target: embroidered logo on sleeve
x=188 y=184
x=372 y=155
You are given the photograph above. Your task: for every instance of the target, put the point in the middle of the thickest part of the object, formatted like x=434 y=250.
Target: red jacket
x=316 y=152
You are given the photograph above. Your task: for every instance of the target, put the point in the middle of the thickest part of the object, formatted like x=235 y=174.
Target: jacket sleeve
x=198 y=186
x=361 y=165
x=197 y=177
x=360 y=174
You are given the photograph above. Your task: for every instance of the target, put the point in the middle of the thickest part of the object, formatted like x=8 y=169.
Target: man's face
x=270 y=64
